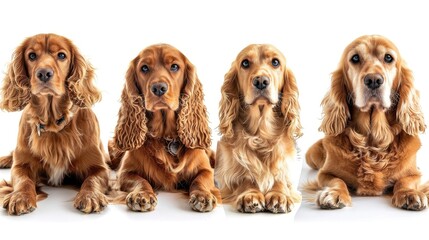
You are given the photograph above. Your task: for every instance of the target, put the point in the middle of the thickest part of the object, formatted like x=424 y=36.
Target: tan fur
x=148 y=122
x=371 y=142
x=68 y=145
x=258 y=133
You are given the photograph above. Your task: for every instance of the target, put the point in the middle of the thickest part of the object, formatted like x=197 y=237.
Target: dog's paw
x=201 y=201
x=276 y=202
x=251 y=202
x=18 y=203
x=410 y=199
x=333 y=199
x=141 y=201
x=90 y=201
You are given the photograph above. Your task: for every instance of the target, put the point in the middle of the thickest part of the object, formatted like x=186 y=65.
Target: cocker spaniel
x=162 y=137
x=259 y=122
x=371 y=122
x=58 y=136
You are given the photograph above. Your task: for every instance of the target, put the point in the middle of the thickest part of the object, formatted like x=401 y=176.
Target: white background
x=311 y=34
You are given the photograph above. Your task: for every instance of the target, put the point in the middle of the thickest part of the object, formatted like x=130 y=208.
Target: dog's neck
x=50 y=113
x=162 y=124
x=261 y=120
x=374 y=128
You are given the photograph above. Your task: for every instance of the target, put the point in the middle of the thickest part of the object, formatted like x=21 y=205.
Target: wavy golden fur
x=59 y=136
x=371 y=119
x=259 y=122
x=162 y=104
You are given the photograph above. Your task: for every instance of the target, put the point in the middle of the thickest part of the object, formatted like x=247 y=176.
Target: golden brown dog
x=58 y=136
x=259 y=121
x=163 y=128
x=372 y=119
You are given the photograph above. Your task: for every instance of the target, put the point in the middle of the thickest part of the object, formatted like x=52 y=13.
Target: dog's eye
x=388 y=58
x=355 y=58
x=275 y=62
x=174 y=68
x=61 y=56
x=145 y=69
x=32 y=56
x=245 y=64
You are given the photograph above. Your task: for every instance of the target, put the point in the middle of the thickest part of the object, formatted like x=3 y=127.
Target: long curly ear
x=80 y=84
x=16 y=91
x=290 y=105
x=409 y=112
x=130 y=131
x=335 y=106
x=229 y=104
x=193 y=128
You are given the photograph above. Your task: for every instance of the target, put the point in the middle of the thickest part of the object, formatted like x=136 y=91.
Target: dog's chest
x=372 y=172
x=56 y=152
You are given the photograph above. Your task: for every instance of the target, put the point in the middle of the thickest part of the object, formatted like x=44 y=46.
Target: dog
x=259 y=123
x=162 y=137
x=372 y=118
x=59 y=135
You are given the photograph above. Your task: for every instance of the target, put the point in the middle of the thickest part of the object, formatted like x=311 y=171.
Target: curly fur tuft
x=80 y=83
x=15 y=91
x=193 y=128
x=131 y=129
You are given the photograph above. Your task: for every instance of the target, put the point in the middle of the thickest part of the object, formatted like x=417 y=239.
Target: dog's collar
x=173 y=146
x=41 y=127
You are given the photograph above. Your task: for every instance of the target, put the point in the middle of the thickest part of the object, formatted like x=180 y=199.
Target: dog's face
x=260 y=74
x=47 y=60
x=160 y=76
x=371 y=67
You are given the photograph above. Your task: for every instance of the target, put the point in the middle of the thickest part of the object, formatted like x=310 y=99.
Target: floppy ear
x=230 y=103
x=335 y=106
x=409 y=112
x=193 y=128
x=82 y=91
x=130 y=131
x=290 y=105
x=16 y=90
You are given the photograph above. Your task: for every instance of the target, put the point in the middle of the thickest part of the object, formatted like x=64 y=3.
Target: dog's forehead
x=48 y=43
x=260 y=52
x=161 y=53
x=375 y=46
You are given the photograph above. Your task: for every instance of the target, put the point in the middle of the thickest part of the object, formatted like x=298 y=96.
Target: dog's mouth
x=161 y=105
x=262 y=99
x=375 y=99
x=45 y=90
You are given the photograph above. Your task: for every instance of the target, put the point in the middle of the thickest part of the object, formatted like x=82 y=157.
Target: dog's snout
x=44 y=74
x=159 y=89
x=373 y=81
x=261 y=82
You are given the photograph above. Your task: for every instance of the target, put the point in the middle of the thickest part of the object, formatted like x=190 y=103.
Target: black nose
x=261 y=82
x=44 y=74
x=159 y=89
x=373 y=81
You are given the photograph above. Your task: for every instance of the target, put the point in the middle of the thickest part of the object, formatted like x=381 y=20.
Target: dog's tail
x=115 y=155
x=6 y=161
x=212 y=157
x=309 y=190
x=425 y=188
x=115 y=195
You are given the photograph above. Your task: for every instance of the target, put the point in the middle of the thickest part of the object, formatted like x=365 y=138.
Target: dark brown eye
x=275 y=62
x=32 y=56
x=145 y=69
x=355 y=59
x=245 y=64
x=174 y=68
x=61 y=56
x=388 y=58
